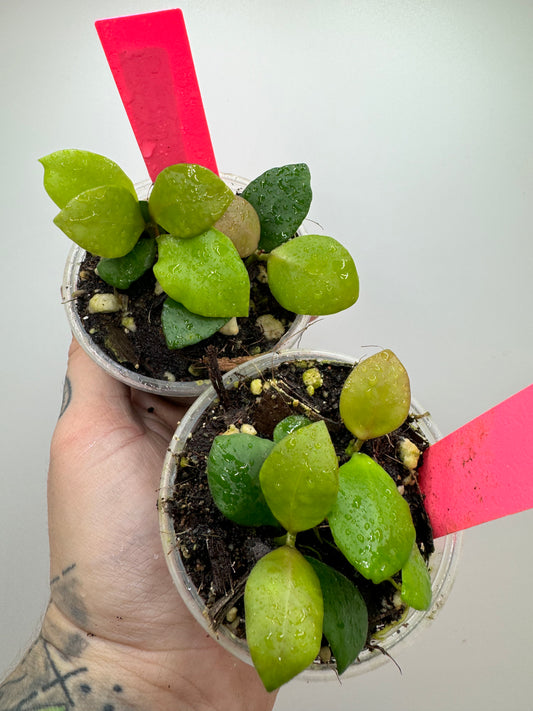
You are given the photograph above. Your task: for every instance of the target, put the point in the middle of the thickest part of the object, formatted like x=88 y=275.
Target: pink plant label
x=150 y=58
x=482 y=471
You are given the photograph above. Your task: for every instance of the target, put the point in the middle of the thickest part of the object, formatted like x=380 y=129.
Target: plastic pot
x=186 y=391
x=443 y=562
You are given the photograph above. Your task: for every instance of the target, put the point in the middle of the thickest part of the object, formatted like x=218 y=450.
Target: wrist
x=66 y=667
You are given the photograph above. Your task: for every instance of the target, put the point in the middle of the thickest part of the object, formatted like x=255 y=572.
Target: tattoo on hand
x=53 y=676
x=67 y=395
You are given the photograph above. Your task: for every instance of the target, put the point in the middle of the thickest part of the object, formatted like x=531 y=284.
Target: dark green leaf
x=183 y=328
x=121 y=272
x=289 y=424
x=345 y=614
x=281 y=197
x=233 y=475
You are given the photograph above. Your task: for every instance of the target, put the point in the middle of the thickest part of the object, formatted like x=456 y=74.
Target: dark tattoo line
x=68 y=569
x=67 y=395
x=59 y=679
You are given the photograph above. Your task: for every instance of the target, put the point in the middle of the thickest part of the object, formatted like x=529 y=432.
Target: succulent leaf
x=416 y=583
x=69 y=172
x=105 y=221
x=241 y=224
x=289 y=424
x=281 y=197
x=299 y=477
x=313 y=274
x=183 y=328
x=370 y=521
x=233 y=469
x=204 y=273
x=187 y=200
x=121 y=272
x=345 y=614
x=376 y=396
x=284 y=614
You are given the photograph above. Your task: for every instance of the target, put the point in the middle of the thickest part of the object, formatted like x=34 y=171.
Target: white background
x=416 y=120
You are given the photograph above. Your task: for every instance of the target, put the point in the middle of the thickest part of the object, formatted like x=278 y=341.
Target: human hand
x=116 y=632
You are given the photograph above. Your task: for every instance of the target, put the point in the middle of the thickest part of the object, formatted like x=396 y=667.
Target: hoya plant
x=294 y=483
x=198 y=237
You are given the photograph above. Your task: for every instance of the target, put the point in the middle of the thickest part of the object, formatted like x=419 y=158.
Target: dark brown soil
x=145 y=351
x=219 y=554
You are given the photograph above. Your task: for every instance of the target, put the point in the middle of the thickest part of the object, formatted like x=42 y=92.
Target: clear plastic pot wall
x=443 y=562
x=187 y=391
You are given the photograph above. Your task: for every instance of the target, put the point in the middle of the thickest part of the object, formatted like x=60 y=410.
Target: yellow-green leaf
x=299 y=477
x=106 y=221
x=69 y=172
x=187 y=200
x=376 y=396
x=284 y=613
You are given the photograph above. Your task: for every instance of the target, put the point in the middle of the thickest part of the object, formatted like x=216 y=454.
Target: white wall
x=416 y=120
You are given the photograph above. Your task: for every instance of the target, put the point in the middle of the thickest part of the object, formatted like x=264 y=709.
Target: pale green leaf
x=416 y=582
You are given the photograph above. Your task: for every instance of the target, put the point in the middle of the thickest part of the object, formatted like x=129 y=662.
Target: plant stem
x=354 y=446
x=290 y=540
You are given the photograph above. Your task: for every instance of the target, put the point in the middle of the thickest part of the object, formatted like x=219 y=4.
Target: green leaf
x=121 y=272
x=376 y=396
x=182 y=328
x=299 y=477
x=281 y=197
x=416 y=583
x=313 y=274
x=70 y=172
x=284 y=613
x=187 y=200
x=233 y=476
x=106 y=221
x=345 y=614
x=204 y=273
x=288 y=425
x=370 y=521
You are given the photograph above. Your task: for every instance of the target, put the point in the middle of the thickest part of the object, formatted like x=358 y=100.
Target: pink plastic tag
x=482 y=471
x=151 y=61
